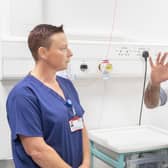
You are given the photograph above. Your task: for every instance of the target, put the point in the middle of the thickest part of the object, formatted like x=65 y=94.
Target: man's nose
x=70 y=54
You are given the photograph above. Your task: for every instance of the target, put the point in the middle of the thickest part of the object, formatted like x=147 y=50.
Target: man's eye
x=63 y=49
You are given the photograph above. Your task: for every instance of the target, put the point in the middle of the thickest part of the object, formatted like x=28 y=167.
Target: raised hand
x=159 y=70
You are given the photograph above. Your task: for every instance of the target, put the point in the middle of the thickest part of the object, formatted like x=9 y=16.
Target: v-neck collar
x=50 y=89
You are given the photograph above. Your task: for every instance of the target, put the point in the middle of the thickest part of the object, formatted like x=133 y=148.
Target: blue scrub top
x=35 y=110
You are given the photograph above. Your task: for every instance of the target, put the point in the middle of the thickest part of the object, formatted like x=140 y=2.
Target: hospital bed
x=130 y=147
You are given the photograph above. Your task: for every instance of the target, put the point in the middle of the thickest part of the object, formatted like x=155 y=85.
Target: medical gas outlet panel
x=124 y=60
x=89 y=60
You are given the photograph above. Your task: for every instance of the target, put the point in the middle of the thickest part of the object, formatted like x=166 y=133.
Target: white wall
x=81 y=16
x=24 y=15
x=145 y=20
x=107 y=103
x=5 y=145
x=140 y=19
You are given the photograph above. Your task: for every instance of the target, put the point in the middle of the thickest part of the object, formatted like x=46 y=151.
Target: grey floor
x=6 y=164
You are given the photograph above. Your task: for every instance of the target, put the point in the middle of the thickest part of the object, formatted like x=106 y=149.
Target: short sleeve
x=163 y=93
x=24 y=117
x=163 y=97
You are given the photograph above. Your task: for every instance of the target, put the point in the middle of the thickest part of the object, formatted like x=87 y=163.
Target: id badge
x=76 y=123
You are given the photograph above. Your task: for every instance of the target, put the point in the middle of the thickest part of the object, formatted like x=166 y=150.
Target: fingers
x=158 y=58
x=162 y=60
x=166 y=64
x=151 y=62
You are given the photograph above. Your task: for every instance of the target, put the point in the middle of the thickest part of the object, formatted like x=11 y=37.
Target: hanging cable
x=145 y=55
x=112 y=29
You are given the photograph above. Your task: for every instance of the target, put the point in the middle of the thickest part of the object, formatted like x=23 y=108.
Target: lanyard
x=68 y=102
x=70 y=105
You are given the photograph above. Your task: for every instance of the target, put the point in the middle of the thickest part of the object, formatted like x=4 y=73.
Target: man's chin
x=64 y=67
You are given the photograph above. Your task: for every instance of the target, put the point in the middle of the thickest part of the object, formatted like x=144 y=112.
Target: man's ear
x=42 y=53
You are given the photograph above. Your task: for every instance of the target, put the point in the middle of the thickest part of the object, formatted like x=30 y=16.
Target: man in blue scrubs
x=44 y=111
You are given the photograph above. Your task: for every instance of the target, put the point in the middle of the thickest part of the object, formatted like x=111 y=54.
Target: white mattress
x=130 y=139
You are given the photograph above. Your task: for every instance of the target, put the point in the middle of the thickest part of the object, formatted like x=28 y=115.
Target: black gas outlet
x=83 y=67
